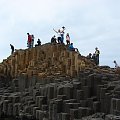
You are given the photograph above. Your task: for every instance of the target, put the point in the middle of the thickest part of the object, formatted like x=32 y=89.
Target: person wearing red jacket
x=29 y=40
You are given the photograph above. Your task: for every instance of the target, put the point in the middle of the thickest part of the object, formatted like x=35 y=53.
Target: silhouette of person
x=39 y=42
x=12 y=49
x=116 y=65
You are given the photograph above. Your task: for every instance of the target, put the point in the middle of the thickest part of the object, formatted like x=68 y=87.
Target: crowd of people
x=60 y=40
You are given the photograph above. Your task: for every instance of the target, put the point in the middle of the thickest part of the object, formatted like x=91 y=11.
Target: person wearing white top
x=62 y=31
x=59 y=35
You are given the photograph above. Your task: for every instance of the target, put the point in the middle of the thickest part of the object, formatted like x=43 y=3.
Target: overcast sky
x=90 y=23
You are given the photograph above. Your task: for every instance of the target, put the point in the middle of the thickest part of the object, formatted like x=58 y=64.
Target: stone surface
x=49 y=82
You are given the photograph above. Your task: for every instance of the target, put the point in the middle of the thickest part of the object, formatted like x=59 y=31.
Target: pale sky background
x=90 y=23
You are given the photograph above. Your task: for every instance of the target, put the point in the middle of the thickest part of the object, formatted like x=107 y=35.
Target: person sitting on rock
x=38 y=43
x=71 y=48
x=53 y=39
x=12 y=48
x=89 y=56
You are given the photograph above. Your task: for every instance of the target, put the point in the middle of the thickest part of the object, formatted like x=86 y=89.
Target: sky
x=90 y=23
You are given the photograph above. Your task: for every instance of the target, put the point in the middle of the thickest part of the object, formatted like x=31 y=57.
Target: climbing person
x=67 y=38
x=12 y=49
x=59 y=35
x=116 y=65
x=53 y=39
x=32 y=41
x=62 y=31
x=97 y=52
x=29 y=40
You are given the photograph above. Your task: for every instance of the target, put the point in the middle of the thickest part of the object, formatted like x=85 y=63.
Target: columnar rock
x=51 y=82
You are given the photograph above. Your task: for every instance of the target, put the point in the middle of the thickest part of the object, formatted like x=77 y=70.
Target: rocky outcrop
x=51 y=83
x=44 y=60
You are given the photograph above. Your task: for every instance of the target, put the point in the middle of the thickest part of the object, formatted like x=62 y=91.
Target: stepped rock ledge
x=49 y=82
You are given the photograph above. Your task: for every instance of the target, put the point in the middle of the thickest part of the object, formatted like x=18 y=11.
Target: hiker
x=89 y=56
x=116 y=65
x=94 y=58
x=32 y=41
x=59 y=35
x=29 y=40
x=53 y=39
x=39 y=42
x=67 y=39
x=71 y=48
x=62 y=31
x=12 y=48
x=97 y=52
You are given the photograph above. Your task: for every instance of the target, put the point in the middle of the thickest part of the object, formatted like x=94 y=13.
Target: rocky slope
x=49 y=82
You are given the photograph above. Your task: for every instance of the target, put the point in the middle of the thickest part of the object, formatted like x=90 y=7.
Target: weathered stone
x=74 y=113
x=10 y=109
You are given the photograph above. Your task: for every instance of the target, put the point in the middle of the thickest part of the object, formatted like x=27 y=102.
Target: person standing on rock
x=32 y=41
x=12 y=48
x=67 y=38
x=59 y=35
x=97 y=52
x=62 y=31
x=29 y=40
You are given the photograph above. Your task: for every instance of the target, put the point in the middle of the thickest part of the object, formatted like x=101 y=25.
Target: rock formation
x=49 y=82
